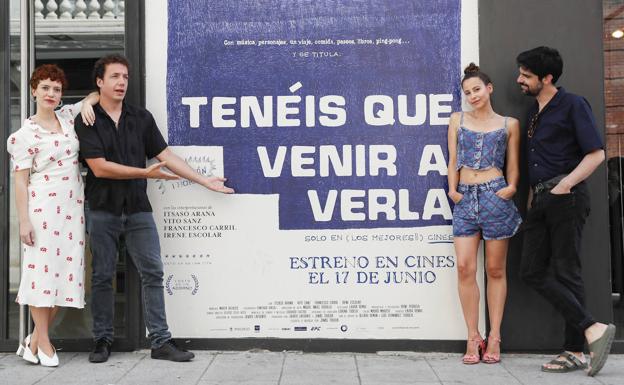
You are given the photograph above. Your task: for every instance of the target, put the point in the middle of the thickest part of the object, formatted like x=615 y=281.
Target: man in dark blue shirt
x=564 y=148
x=115 y=150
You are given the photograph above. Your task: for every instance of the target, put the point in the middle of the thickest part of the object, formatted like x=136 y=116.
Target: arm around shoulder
x=86 y=111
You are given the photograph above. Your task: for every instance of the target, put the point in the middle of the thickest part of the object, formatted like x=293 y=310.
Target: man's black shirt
x=136 y=139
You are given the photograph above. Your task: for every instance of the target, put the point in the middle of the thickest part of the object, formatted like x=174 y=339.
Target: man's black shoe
x=171 y=352
x=100 y=352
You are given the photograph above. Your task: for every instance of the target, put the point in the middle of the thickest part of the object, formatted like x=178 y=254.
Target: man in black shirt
x=115 y=150
x=564 y=148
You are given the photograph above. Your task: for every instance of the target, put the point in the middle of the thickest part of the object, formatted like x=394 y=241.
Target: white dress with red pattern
x=53 y=269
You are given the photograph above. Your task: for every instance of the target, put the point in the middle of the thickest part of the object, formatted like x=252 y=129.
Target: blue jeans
x=143 y=246
x=551 y=262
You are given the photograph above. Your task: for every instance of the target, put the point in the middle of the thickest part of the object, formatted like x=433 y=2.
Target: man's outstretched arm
x=179 y=167
x=103 y=168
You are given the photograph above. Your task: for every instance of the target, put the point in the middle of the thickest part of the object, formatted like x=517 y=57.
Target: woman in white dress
x=50 y=206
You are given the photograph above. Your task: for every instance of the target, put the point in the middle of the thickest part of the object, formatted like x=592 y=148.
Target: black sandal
x=569 y=364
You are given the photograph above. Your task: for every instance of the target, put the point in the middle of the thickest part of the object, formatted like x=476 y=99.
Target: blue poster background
x=428 y=62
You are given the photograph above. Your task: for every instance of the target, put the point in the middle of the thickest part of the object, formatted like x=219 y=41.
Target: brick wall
x=613 y=11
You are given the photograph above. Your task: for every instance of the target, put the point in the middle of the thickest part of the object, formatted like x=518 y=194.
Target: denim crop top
x=481 y=150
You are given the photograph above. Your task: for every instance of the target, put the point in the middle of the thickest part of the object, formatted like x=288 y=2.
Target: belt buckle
x=539 y=188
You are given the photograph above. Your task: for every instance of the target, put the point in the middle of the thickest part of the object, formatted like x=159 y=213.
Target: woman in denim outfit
x=480 y=142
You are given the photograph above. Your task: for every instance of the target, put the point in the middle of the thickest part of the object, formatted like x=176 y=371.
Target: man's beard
x=532 y=92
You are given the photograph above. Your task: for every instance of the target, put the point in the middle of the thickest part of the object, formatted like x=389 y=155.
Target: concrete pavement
x=296 y=368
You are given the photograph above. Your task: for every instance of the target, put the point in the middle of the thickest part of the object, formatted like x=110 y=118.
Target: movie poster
x=329 y=119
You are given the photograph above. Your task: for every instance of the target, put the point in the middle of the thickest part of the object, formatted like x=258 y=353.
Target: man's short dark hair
x=100 y=66
x=542 y=61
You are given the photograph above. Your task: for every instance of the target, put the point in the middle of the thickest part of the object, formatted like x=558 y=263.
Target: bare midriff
x=471 y=176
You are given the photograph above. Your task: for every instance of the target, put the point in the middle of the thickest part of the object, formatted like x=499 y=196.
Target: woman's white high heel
x=20 y=349
x=24 y=351
x=44 y=360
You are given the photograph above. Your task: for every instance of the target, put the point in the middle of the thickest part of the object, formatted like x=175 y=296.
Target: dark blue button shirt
x=565 y=132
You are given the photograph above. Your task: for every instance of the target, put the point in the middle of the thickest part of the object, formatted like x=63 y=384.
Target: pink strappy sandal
x=471 y=359
x=492 y=358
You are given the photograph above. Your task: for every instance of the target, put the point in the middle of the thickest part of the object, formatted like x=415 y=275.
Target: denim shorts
x=481 y=210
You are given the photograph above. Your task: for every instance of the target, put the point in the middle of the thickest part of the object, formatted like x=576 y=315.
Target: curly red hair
x=48 y=71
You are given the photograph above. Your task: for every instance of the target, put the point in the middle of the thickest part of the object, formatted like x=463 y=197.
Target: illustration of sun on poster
x=329 y=119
